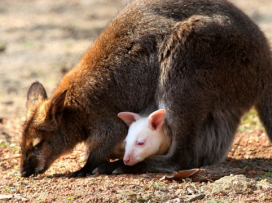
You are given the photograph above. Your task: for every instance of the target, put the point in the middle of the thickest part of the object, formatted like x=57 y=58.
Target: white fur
x=155 y=142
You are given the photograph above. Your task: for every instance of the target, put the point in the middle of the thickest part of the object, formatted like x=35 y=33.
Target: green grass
x=4 y=144
x=70 y=198
x=250 y=121
x=268 y=174
x=14 y=149
x=2 y=45
x=29 y=44
x=8 y=189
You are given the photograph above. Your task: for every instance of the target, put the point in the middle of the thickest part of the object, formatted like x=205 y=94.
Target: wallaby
x=205 y=62
x=145 y=136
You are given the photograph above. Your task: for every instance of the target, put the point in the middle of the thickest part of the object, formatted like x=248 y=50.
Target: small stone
x=190 y=190
x=6 y=196
x=7 y=102
x=177 y=200
x=145 y=176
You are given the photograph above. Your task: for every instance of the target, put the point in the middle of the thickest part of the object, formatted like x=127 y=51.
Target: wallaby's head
x=41 y=143
x=145 y=136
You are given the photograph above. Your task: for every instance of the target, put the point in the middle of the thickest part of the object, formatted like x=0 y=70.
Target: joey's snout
x=127 y=160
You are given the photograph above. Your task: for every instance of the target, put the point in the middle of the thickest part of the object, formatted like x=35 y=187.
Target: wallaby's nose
x=126 y=160
x=23 y=173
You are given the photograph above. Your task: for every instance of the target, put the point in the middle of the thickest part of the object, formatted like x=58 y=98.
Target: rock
x=232 y=184
x=6 y=197
x=7 y=102
x=145 y=176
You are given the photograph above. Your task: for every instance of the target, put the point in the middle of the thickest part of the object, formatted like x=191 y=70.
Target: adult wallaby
x=205 y=62
x=145 y=137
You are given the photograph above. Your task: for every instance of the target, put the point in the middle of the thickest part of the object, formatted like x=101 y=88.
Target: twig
x=151 y=184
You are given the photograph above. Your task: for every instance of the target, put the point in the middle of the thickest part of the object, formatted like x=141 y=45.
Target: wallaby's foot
x=108 y=167
x=138 y=168
x=80 y=173
x=122 y=170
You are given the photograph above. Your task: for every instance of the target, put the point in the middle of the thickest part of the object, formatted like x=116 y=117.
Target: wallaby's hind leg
x=216 y=136
x=264 y=108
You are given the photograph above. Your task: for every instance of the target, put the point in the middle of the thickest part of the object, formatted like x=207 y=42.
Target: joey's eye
x=140 y=142
x=38 y=146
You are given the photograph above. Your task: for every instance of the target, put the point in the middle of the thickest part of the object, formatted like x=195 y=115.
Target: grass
x=2 y=46
x=14 y=149
x=250 y=121
x=70 y=198
x=4 y=144
x=29 y=44
x=268 y=174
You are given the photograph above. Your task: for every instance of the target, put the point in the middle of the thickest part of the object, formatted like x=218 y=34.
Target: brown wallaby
x=205 y=62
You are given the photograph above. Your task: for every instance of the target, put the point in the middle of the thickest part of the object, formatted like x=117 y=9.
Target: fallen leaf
x=184 y=174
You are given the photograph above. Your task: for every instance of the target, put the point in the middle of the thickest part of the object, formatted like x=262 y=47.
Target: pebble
x=6 y=197
x=7 y=102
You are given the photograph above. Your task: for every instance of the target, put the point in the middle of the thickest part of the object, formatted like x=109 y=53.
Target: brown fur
x=205 y=62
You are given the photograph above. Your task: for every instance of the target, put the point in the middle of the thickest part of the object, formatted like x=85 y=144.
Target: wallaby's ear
x=36 y=94
x=156 y=119
x=57 y=106
x=128 y=117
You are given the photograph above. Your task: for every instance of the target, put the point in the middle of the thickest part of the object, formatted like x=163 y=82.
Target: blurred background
x=43 y=39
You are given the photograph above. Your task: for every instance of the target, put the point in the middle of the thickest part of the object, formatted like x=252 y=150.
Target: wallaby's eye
x=38 y=146
x=140 y=142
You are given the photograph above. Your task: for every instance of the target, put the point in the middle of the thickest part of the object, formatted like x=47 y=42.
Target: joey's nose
x=126 y=160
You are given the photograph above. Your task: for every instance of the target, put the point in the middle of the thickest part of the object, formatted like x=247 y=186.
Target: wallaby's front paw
x=80 y=173
x=103 y=169
x=141 y=167
x=126 y=170
x=108 y=167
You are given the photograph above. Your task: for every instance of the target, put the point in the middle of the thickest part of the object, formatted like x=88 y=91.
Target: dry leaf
x=185 y=174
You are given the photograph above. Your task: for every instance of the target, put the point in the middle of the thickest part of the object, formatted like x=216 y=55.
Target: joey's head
x=145 y=136
x=41 y=142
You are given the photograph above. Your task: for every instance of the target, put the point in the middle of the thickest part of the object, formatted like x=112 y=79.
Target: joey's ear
x=57 y=105
x=128 y=117
x=156 y=119
x=36 y=94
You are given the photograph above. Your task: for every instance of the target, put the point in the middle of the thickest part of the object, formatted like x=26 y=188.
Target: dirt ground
x=43 y=39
